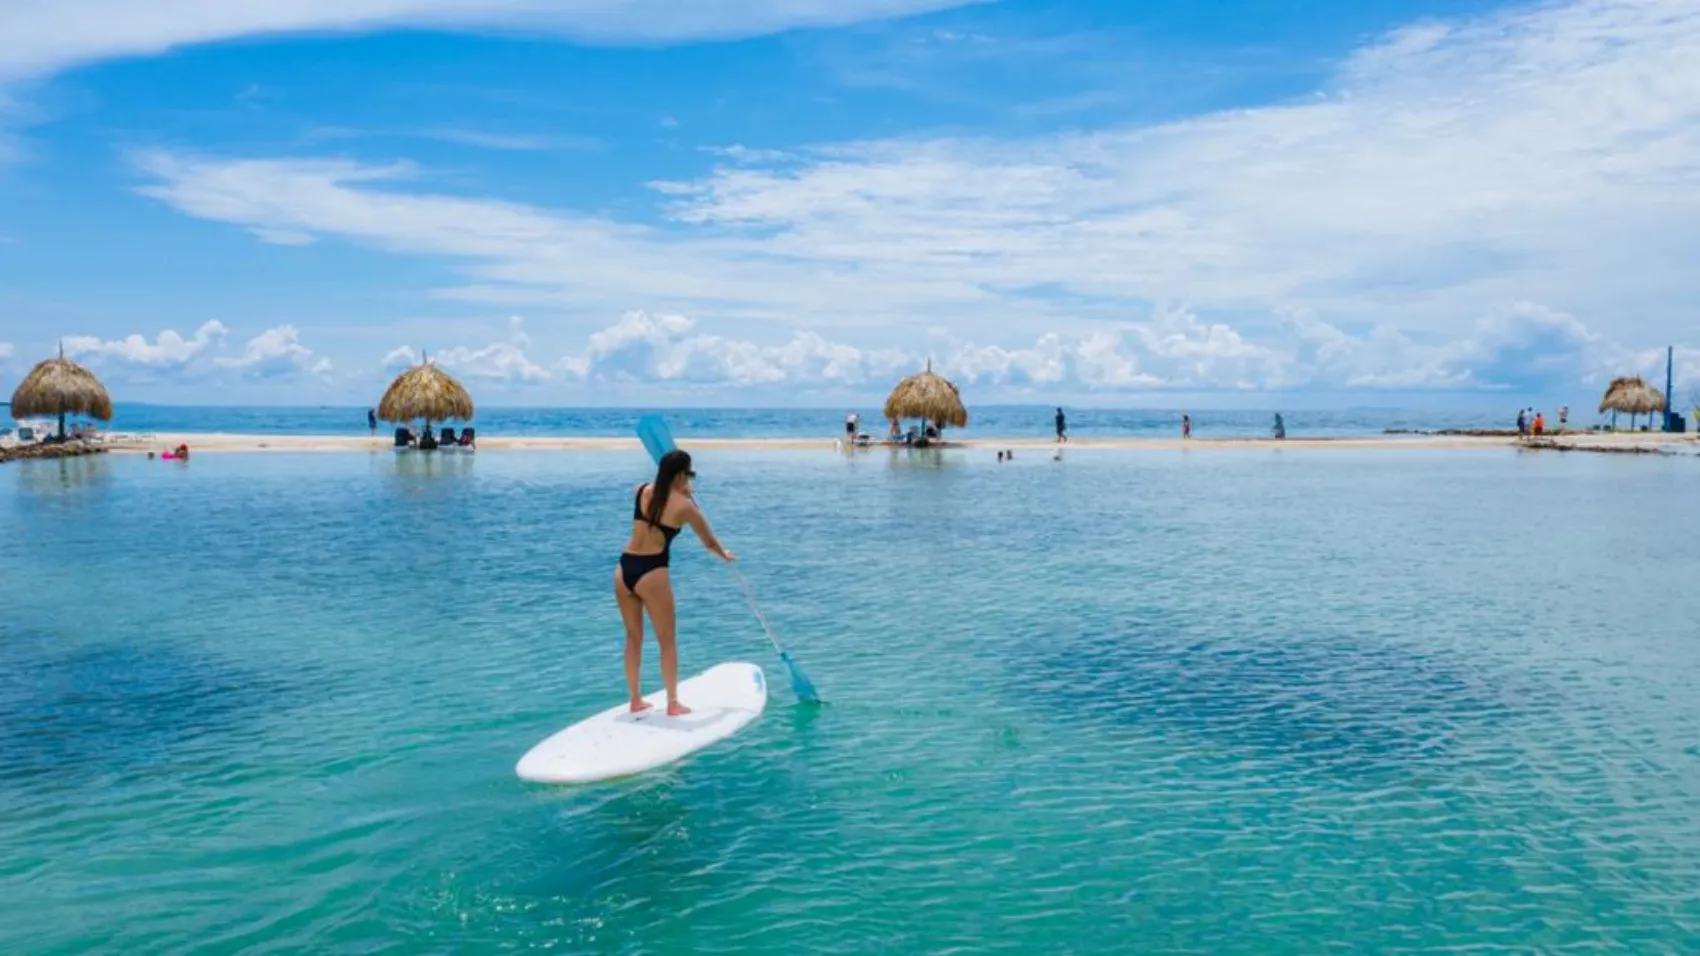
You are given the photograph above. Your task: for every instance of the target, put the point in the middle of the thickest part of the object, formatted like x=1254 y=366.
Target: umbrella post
x=61 y=426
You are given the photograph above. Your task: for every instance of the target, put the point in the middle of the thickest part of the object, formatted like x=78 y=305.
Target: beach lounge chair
x=447 y=439
x=468 y=437
x=403 y=438
x=26 y=434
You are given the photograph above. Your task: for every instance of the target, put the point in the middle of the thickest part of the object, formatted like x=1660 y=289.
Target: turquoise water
x=994 y=421
x=1164 y=701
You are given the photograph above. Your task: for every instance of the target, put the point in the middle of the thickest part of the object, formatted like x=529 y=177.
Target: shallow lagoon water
x=1181 y=701
x=989 y=422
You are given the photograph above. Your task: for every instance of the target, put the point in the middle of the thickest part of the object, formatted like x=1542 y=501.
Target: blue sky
x=1235 y=202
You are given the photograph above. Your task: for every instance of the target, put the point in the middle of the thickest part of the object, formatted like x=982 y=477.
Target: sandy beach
x=228 y=442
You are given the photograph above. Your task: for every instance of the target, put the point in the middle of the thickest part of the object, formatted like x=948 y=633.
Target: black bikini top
x=637 y=515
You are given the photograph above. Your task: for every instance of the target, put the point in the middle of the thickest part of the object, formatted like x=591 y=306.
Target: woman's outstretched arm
x=699 y=523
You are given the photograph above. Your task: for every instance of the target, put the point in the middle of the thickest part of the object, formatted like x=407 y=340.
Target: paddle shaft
x=750 y=597
x=658 y=441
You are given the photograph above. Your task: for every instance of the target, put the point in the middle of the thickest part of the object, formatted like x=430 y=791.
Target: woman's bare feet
x=676 y=709
x=639 y=705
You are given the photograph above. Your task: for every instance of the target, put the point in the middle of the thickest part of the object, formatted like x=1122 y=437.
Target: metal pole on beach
x=1670 y=367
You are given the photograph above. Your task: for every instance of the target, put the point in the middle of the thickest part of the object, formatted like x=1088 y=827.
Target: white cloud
x=511 y=142
x=1545 y=155
x=1394 y=224
x=642 y=347
x=44 y=36
x=168 y=351
x=498 y=361
x=5 y=350
x=276 y=353
x=1527 y=347
x=737 y=153
x=1449 y=171
x=400 y=357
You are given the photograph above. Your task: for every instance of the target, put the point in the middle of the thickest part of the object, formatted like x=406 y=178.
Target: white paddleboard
x=618 y=743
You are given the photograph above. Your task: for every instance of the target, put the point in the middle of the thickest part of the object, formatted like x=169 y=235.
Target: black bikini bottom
x=634 y=566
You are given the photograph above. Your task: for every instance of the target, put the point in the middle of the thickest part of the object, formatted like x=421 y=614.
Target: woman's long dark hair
x=672 y=464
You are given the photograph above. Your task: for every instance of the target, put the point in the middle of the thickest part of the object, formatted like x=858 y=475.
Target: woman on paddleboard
x=660 y=510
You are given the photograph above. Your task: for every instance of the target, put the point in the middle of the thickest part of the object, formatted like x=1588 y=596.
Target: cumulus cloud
x=276 y=353
x=1173 y=350
x=168 y=351
x=642 y=347
x=504 y=361
x=43 y=36
x=1528 y=347
x=1546 y=154
x=1400 y=225
x=5 y=350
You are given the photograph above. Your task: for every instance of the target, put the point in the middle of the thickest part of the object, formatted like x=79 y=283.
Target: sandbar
x=200 y=442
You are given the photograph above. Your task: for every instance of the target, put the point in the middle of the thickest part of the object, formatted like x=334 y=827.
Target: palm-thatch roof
x=929 y=397
x=57 y=387
x=1632 y=394
x=425 y=392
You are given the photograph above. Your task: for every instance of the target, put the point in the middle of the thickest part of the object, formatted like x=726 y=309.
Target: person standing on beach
x=1563 y=416
x=1186 y=425
x=1522 y=423
x=1062 y=427
x=660 y=510
x=372 y=421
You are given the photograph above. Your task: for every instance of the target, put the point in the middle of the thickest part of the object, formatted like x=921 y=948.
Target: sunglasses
x=690 y=474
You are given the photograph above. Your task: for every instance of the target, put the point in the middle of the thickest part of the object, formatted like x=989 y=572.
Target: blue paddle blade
x=800 y=683
x=657 y=440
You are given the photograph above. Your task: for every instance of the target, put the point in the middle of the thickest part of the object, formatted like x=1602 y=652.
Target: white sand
x=226 y=442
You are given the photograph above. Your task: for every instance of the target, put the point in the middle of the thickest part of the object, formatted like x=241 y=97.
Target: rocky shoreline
x=1553 y=444
x=1455 y=432
x=70 y=449
x=1473 y=432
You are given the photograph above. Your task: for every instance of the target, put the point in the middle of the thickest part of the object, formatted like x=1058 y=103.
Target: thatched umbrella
x=425 y=392
x=928 y=397
x=60 y=387
x=1632 y=394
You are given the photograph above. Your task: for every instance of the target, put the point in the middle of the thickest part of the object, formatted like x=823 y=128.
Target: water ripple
x=1144 y=702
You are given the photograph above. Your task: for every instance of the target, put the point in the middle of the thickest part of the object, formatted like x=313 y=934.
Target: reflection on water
x=924 y=458
x=439 y=462
x=54 y=477
x=419 y=475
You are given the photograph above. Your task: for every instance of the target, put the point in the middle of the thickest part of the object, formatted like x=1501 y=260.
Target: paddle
x=658 y=441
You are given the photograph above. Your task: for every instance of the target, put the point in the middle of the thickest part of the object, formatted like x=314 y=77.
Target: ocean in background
x=986 y=422
x=1273 y=701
